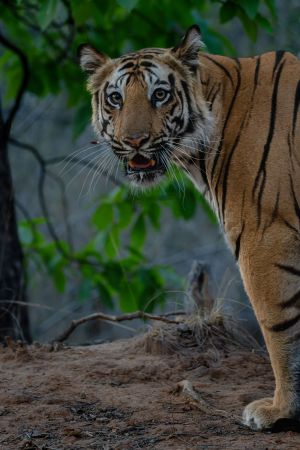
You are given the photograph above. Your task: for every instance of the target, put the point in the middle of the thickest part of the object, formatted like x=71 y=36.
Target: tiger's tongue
x=139 y=162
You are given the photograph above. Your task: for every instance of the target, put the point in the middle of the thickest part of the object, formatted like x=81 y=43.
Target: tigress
x=233 y=124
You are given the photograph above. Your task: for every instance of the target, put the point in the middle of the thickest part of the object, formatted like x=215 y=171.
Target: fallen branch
x=195 y=399
x=109 y=318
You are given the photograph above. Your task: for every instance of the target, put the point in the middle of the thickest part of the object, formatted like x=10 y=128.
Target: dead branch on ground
x=194 y=398
x=120 y=318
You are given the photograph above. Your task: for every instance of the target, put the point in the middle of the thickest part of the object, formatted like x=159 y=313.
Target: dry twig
x=195 y=399
x=120 y=318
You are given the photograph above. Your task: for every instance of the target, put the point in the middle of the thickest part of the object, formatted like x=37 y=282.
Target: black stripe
x=105 y=124
x=217 y=185
x=282 y=326
x=274 y=212
x=226 y=172
x=202 y=165
x=226 y=71
x=161 y=82
x=296 y=204
x=214 y=97
x=190 y=127
x=225 y=123
x=238 y=243
x=172 y=110
x=130 y=57
x=278 y=57
x=238 y=63
x=290 y=149
x=261 y=174
x=290 y=226
x=127 y=65
x=291 y=302
x=290 y=269
x=147 y=64
x=147 y=69
x=296 y=107
x=255 y=83
x=180 y=96
x=171 y=80
x=256 y=71
x=209 y=93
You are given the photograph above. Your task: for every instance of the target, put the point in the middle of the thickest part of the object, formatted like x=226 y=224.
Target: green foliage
x=112 y=265
x=49 y=32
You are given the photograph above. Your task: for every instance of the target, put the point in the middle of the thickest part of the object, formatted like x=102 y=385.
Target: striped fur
x=234 y=126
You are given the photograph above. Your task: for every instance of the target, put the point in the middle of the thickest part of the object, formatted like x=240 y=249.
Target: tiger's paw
x=261 y=414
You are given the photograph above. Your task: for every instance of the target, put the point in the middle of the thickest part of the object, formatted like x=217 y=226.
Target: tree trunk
x=14 y=319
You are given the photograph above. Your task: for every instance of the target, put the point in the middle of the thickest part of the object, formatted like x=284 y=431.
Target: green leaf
x=82 y=11
x=271 y=4
x=13 y=79
x=125 y=212
x=188 y=204
x=127 y=295
x=103 y=216
x=46 y=13
x=128 y=4
x=113 y=274
x=250 y=7
x=227 y=11
x=264 y=23
x=112 y=243
x=205 y=206
x=138 y=233
x=59 y=280
x=249 y=25
x=105 y=295
x=154 y=215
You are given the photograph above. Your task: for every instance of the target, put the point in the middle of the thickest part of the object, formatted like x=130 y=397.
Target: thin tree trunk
x=14 y=320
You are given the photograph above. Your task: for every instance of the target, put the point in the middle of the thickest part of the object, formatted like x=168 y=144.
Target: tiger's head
x=148 y=105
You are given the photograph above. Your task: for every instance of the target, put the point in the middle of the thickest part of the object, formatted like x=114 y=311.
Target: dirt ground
x=121 y=395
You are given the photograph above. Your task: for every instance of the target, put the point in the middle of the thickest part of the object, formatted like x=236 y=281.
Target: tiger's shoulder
x=263 y=65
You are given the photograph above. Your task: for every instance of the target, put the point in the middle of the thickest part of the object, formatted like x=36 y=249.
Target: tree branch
x=24 y=83
x=1 y=120
x=43 y=204
x=121 y=318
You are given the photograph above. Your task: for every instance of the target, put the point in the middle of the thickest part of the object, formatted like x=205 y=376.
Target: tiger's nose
x=136 y=140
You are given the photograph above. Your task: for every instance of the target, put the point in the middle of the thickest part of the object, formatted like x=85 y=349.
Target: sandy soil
x=120 y=395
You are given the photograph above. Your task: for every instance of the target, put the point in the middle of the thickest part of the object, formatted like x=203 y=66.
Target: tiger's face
x=146 y=107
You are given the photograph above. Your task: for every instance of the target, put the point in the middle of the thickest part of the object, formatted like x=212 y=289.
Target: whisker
x=101 y=164
x=101 y=168
x=68 y=159
x=171 y=171
x=80 y=171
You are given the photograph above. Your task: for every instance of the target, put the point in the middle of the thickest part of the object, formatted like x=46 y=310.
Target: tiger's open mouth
x=144 y=171
x=146 y=165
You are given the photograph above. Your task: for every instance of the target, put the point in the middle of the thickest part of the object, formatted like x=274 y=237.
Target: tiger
x=233 y=125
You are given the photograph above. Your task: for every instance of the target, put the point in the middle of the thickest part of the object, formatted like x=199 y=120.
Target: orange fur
x=243 y=153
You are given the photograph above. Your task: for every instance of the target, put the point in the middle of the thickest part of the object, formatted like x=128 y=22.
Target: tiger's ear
x=90 y=59
x=188 y=49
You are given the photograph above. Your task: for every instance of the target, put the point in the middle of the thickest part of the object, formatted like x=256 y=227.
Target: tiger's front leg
x=270 y=268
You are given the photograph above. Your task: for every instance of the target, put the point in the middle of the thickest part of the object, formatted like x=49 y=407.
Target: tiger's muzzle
x=144 y=170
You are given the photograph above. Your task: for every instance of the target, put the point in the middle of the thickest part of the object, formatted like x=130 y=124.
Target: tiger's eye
x=115 y=99
x=160 y=95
